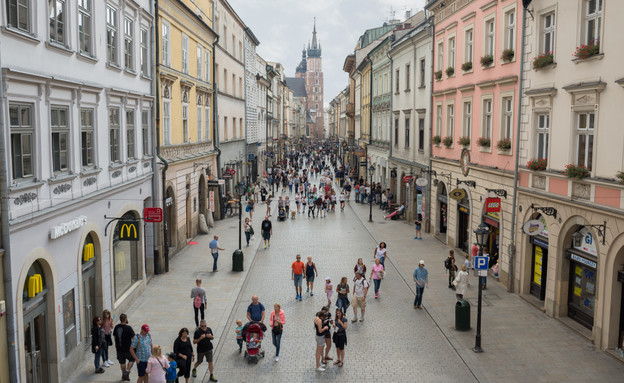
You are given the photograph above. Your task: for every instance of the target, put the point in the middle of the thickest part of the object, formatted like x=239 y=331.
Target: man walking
x=255 y=310
x=360 y=289
x=141 y=350
x=202 y=338
x=198 y=294
x=449 y=264
x=421 y=277
x=267 y=231
x=123 y=334
x=297 y=275
x=214 y=250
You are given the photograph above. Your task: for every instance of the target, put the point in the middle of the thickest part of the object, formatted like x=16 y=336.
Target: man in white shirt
x=360 y=289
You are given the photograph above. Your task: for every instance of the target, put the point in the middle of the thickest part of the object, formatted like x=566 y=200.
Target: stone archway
x=613 y=331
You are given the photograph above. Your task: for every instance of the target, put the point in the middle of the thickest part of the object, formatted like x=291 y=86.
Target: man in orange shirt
x=297 y=275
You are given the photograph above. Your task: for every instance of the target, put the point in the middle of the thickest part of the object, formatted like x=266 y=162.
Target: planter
x=484 y=142
x=438 y=75
x=537 y=164
x=508 y=55
x=487 y=60
x=464 y=141
x=576 y=172
x=543 y=60
x=436 y=140
x=467 y=66
x=447 y=141
x=585 y=51
x=450 y=71
x=504 y=144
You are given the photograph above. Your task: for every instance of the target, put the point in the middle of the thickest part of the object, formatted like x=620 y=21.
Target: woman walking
x=461 y=282
x=310 y=273
x=327 y=333
x=107 y=326
x=360 y=267
x=247 y=228
x=343 y=295
x=250 y=207
x=319 y=329
x=277 y=320
x=157 y=366
x=340 y=336
x=183 y=350
x=98 y=342
x=381 y=253
x=376 y=275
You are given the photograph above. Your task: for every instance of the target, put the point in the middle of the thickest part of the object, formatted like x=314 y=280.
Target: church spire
x=314 y=45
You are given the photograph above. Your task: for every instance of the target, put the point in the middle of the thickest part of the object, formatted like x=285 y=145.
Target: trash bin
x=237 y=260
x=462 y=315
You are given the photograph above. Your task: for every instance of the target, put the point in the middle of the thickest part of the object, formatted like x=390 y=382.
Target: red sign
x=492 y=205
x=152 y=214
x=407 y=179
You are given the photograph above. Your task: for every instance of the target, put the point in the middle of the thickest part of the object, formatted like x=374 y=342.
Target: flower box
x=537 y=164
x=576 y=171
x=438 y=75
x=447 y=141
x=467 y=66
x=487 y=60
x=436 y=140
x=450 y=71
x=464 y=141
x=504 y=144
x=620 y=177
x=586 y=50
x=508 y=55
x=543 y=60
x=484 y=142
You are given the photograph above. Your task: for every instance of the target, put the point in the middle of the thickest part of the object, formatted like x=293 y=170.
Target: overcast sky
x=284 y=26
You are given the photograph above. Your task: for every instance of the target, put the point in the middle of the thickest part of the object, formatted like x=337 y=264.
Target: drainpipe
x=246 y=159
x=215 y=115
x=430 y=189
x=512 y=246
x=391 y=115
x=370 y=113
x=4 y=230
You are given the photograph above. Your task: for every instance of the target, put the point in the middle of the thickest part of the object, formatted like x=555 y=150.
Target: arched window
x=35 y=283
x=125 y=258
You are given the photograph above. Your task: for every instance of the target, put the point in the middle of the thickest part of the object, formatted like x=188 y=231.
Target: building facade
x=77 y=146
x=379 y=149
x=252 y=96
x=311 y=69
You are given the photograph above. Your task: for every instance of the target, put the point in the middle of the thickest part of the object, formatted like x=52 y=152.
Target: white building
x=76 y=145
x=252 y=97
x=263 y=85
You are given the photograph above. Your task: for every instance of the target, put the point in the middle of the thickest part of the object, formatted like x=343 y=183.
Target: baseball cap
x=328 y=279
x=421 y=262
x=145 y=328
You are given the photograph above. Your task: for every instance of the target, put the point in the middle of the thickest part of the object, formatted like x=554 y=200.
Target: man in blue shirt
x=421 y=277
x=214 y=250
x=255 y=311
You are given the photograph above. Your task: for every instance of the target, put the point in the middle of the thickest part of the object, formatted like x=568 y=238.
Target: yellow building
x=185 y=72
x=365 y=69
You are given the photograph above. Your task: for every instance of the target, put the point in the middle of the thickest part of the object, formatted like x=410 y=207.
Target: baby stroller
x=254 y=334
x=281 y=214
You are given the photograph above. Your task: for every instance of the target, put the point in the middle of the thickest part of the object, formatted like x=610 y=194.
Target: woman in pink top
x=277 y=321
x=156 y=366
x=107 y=326
x=374 y=275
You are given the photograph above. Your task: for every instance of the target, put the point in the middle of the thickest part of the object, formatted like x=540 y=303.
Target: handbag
x=381 y=274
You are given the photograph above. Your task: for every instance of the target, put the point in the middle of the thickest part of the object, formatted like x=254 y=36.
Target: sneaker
x=277 y=358
x=110 y=362
x=419 y=237
x=194 y=373
x=362 y=320
x=312 y=293
x=376 y=296
x=415 y=237
x=106 y=364
x=296 y=296
x=300 y=298
x=321 y=369
x=354 y=320
x=99 y=371
x=212 y=379
x=265 y=246
x=307 y=290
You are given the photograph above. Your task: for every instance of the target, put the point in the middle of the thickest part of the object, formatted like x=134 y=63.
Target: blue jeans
x=340 y=303
x=377 y=283
x=99 y=354
x=247 y=237
x=277 y=339
x=419 y=295
x=214 y=265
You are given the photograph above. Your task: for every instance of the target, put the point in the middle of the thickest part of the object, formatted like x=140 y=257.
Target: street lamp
x=371 y=170
x=482 y=232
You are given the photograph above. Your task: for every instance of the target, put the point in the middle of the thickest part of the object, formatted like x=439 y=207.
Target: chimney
x=408 y=14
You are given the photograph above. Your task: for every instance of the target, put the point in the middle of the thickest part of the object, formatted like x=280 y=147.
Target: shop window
x=69 y=321
x=125 y=258
x=35 y=283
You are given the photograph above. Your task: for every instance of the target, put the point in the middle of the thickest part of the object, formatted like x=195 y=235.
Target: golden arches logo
x=129 y=230
x=35 y=285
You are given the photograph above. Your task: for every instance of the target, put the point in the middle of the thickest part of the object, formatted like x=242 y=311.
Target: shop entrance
x=171 y=211
x=582 y=290
x=35 y=344
x=442 y=209
x=539 y=267
x=463 y=225
x=621 y=336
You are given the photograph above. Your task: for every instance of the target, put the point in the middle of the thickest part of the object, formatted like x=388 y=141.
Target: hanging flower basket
x=504 y=144
x=585 y=51
x=620 y=177
x=484 y=142
x=576 y=171
x=508 y=55
x=467 y=66
x=487 y=60
x=537 y=164
x=436 y=140
x=438 y=75
x=447 y=141
x=450 y=71
x=543 y=60
x=464 y=141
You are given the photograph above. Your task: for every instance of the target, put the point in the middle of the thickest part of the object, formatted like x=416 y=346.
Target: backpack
x=197 y=302
x=448 y=263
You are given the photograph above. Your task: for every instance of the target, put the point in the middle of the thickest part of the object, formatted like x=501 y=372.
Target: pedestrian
x=141 y=350
x=329 y=289
x=360 y=289
x=310 y=273
x=449 y=265
x=319 y=329
x=418 y=227
x=250 y=207
x=319 y=206
x=248 y=230
x=214 y=250
x=340 y=335
x=268 y=205
x=171 y=374
x=342 y=198
x=421 y=277
x=298 y=202
x=278 y=320
x=381 y=253
x=287 y=206
x=461 y=282
x=267 y=231
x=327 y=333
x=475 y=249
x=98 y=342
x=183 y=350
x=360 y=267
x=311 y=205
x=198 y=294
x=157 y=366
x=304 y=202
x=376 y=275
x=107 y=326
x=123 y=338
x=342 y=302
x=239 y=334
x=202 y=338
x=255 y=310
x=297 y=275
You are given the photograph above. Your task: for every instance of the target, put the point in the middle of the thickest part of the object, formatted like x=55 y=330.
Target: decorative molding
x=132 y=169
x=146 y=164
x=89 y=181
x=468 y=16
x=186 y=150
x=116 y=173
x=539 y=182
x=551 y=91
x=25 y=198
x=581 y=190
x=63 y=188
x=585 y=86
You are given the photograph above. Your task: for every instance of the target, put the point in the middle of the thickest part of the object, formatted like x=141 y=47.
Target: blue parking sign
x=481 y=263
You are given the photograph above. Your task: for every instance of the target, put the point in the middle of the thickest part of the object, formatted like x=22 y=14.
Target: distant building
x=311 y=70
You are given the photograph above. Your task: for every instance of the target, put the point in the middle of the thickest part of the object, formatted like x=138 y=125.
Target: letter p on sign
x=481 y=263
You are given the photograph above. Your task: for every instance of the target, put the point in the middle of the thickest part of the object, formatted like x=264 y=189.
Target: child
x=328 y=290
x=172 y=373
x=239 y=335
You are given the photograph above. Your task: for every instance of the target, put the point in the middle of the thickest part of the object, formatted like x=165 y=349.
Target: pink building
x=475 y=100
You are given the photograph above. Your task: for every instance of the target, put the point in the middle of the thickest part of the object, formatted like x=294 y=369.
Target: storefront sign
x=583 y=261
x=215 y=182
x=68 y=227
x=537 y=266
x=457 y=194
x=359 y=151
x=129 y=230
x=587 y=244
x=211 y=201
x=539 y=242
x=407 y=179
x=421 y=182
x=463 y=209
x=533 y=227
x=492 y=205
x=153 y=214
x=168 y=201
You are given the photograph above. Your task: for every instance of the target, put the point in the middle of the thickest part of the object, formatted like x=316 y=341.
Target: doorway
x=35 y=342
x=88 y=297
x=202 y=196
x=171 y=212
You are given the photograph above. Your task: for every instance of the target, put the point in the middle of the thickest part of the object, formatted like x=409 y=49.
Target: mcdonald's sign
x=35 y=285
x=129 y=230
x=88 y=253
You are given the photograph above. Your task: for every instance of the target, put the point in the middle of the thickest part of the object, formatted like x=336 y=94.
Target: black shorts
x=123 y=356
x=310 y=277
x=266 y=235
x=340 y=339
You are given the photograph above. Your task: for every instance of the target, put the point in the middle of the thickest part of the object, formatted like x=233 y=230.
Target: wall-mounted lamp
x=577 y=237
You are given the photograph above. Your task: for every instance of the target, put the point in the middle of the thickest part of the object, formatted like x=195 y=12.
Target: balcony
x=350 y=109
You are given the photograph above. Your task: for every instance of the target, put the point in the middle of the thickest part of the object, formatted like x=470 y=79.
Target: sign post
x=481 y=265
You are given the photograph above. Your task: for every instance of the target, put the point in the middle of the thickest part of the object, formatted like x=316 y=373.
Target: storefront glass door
x=35 y=345
x=538 y=272
x=88 y=309
x=582 y=294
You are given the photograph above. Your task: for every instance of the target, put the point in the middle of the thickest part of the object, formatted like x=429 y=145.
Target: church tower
x=311 y=70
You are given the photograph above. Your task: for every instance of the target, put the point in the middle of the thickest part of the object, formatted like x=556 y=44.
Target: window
x=593 y=21
x=87 y=138
x=510 y=29
x=468 y=45
x=200 y=61
x=18 y=14
x=407 y=76
x=233 y=45
x=421 y=133
x=20 y=117
x=225 y=44
x=199 y=122
x=439 y=121
x=57 y=21
x=126 y=258
x=130 y=134
x=489 y=43
x=585 y=139
x=507 y=117
x=166 y=54
x=240 y=51
x=548 y=32
x=85 y=26
x=225 y=75
x=234 y=85
x=185 y=54
x=207 y=119
x=185 y=126
x=396 y=131
x=113 y=127
x=60 y=135
x=467 y=118
x=422 y=72
x=487 y=118
x=451 y=55
x=225 y=128
x=167 y=122
x=144 y=53
x=543 y=133
x=145 y=132
x=450 y=120
x=207 y=62
x=441 y=56
x=128 y=43
x=111 y=35
x=407 y=132
x=240 y=87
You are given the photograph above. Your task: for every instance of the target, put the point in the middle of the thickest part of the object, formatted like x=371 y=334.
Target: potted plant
x=487 y=60
x=537 y=164
x=450 y=71
x=503 y=144
x=447 y=141
x=436 y=140
x=438 y=75
x=467 y=66
x=544 y=59
x=464 y=141
x=586 y=50
x=620 y=177
x=508 y=55
x=576 y=171
x=484 y=142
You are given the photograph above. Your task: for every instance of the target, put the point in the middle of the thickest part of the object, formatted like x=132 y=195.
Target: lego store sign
x=492 y=205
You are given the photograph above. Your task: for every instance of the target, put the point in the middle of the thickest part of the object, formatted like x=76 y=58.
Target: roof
x=375 y=33
x=297 y=85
